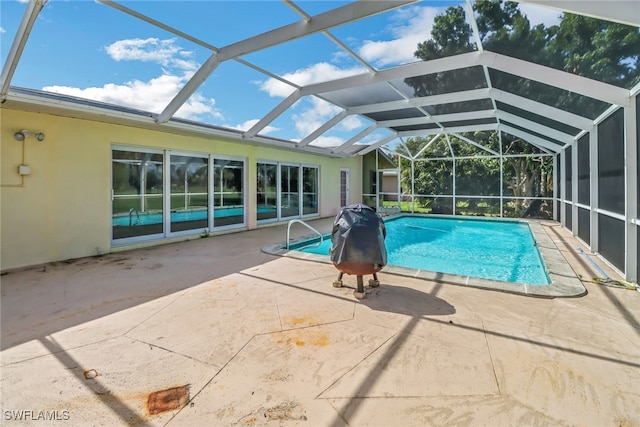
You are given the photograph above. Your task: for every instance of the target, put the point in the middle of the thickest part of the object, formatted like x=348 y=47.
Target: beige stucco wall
x=62 y=210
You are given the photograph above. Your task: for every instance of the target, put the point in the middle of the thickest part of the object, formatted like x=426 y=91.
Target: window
x=344 y=187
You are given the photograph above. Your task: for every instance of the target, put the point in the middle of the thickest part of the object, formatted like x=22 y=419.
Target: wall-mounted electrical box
x=24 y=170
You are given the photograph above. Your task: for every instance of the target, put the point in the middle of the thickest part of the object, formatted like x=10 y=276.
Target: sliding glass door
x=137 y=194
x=158 y=193
x=289 y=191
x=228 y=193
x=189 y=199
x=267 y=191
x=285 y=191
x=309 y=190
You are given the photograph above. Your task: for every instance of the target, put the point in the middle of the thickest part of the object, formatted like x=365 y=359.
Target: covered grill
x=357 y=245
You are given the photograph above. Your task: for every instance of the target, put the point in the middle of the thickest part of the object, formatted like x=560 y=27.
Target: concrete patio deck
x=214 y=332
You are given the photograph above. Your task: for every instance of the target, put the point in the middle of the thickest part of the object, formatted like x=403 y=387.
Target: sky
x=86 y=49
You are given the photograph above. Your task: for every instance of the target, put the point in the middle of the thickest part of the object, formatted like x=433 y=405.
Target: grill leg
x=374 y=283
x=359 y=293
x=338 y=283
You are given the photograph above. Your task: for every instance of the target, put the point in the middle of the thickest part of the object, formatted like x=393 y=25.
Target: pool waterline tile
x=564 y=281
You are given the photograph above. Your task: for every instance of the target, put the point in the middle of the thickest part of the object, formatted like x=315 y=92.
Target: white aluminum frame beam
x=387 y=139
x=147 y=122
x=330 y=36
x=423 y=149
x=536 y=127
x=468 y=95
x=456 y=129
x=323 y=21
x=547 y=75
x=322 y=129
x=470 y=115
x=532 y=139
x=355 y=138
x=272 y=115
x=631 y=192
x=474 y=25
x=192 y=39
x=472 y=142
x=449 y=63
x=623 y=12
x=156 y=23
x=541 y=109
x=17 y=46
x=560 y=79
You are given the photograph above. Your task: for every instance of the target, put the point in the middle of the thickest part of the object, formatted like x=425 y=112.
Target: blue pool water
x=194 y=215
x=498 y=250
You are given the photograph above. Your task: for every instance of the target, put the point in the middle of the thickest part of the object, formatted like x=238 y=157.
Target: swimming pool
x=496 y=250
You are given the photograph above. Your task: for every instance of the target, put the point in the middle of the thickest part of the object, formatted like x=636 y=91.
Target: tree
x=589 y=47
x=597 y=49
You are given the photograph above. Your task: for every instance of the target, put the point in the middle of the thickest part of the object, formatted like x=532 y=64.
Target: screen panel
x=638 y=178
x=584 y=171
x=568 y=188
x=611 y=163
x=611 y=242
x=568 y=216
x=584 y=225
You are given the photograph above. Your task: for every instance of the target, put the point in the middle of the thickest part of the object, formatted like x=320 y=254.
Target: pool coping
x=564 y=281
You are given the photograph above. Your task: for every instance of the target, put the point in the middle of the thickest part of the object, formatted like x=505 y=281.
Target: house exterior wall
x=62 y=210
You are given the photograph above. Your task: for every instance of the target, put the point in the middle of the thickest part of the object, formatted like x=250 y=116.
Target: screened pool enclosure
x=484 y=108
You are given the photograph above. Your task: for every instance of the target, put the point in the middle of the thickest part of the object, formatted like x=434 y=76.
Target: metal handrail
x=306 y=225
x=131 y=211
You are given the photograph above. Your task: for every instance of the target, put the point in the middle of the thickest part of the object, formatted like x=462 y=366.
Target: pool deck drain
x=216 y=332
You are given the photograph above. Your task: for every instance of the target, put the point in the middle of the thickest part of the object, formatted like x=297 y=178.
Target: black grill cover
x=358 y=236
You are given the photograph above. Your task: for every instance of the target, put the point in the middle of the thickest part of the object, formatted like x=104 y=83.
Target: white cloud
x=313 y=111
x=351 y=123
x=314 y=114
x=372 y=138
x=540 y=15
x=327 y=141
x=198 y=106
x=2 y=30
x=155 y=94
x=250 y=123
x=164 y=52
x=320 y=72
x=409 y=27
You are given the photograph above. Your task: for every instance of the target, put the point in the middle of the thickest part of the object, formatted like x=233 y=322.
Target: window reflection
x=289 y=191
x=310 y=190
x=267 y=191
x=228 y=197
x=189 y=193
x=137 y=206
